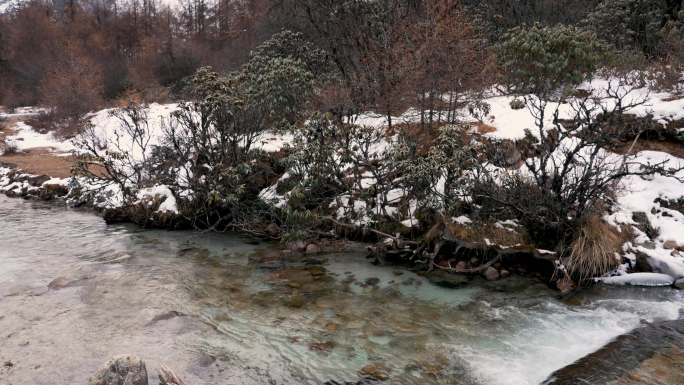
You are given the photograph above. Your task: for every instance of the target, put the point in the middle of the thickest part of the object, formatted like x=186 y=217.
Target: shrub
x=543 y=60
x=517 y=104
x=629 y=24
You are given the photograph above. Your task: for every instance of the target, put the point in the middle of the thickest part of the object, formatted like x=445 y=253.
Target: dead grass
x=480 y=232
x=483 y=128
x=594 y=252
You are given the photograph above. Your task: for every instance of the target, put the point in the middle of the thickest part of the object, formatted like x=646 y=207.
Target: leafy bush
x=629 y=24
x=544 y=60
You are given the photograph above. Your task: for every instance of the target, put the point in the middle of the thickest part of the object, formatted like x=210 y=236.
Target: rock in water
x=679 y=284
x=122 y=370
x=491 y=274
x=313 y=248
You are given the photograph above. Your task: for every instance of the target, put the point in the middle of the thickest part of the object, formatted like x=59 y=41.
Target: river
x=221 y=309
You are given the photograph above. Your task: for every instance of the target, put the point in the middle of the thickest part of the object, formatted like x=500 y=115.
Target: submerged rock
x=491 y=274
x=122 y=370
x=375 y=371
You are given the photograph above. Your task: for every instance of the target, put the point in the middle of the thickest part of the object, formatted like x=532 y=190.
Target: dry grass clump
x=595 y=250
x=483 y=232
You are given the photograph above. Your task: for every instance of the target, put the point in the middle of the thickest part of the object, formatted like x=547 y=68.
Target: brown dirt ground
x=38 y=161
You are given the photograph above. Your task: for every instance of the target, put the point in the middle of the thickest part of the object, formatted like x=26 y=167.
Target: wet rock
x=372 y=281
x=446 y=279
x=313 y=248
x=122 y=370
x=679 y=284
x=643 y=224
x=491 y=274
x=642 y=264
x=505 y=273
x=324 y=347
x=671 y=244
x=37 y=181
x=273 y=230
x=565 y=285
x=375 y=371
x=297 y=246
x=52 y=191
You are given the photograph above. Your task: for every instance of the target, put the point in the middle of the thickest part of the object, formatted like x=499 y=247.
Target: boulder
x=122 y=370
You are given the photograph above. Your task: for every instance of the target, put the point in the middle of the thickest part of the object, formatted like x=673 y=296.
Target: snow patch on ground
x=641 y=195
x=27 y=138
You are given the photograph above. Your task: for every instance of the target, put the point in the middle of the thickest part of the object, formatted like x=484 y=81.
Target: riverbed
x=222 y=309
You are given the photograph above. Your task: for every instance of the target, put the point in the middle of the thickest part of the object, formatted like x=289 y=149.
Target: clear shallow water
x=75 y=292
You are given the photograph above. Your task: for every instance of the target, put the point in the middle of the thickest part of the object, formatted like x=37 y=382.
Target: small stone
x=325 y=346
x=505 y=273
x=375 y=371
x=491 y=274
x=331 y=327
x=313 y=248
x=679 y=284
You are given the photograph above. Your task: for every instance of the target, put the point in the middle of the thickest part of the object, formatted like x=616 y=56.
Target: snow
x=273 y=141
x=640 y=195
x=108 y=129
x=639 y=279
x=462 y=220
x=26 y=138
x=160 y=191
x=511 y=124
